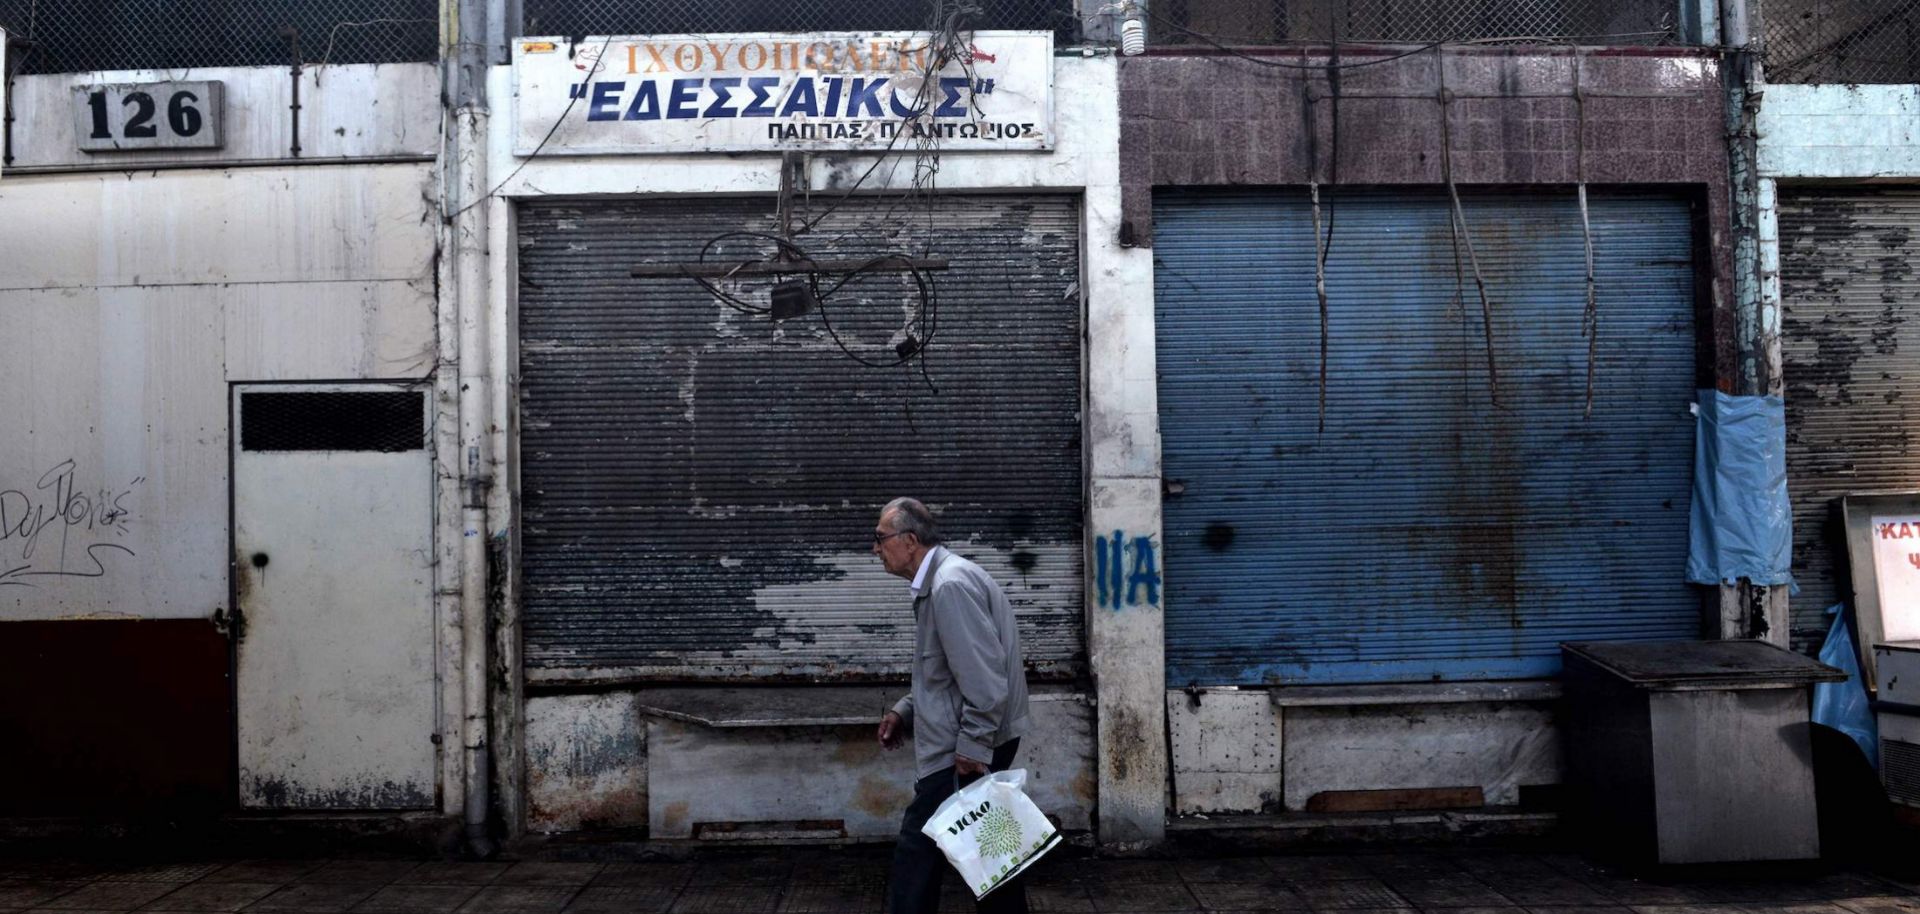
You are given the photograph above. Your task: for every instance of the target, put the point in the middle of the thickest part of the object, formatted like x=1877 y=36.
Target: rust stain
x=673 y=820
x=880 y=798
x=1129 y=736
x=857 y=751
x=1085 y=786
x=242 y=595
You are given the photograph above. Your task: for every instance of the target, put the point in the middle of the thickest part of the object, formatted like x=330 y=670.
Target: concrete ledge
x=1191 y=834
x=1415 y=693
x=792 y=705
x=238 y=835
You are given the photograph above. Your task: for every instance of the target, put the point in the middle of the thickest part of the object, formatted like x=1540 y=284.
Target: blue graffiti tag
x=1115 y=585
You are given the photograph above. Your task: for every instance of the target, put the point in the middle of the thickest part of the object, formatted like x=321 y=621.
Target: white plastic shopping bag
x=990 y=831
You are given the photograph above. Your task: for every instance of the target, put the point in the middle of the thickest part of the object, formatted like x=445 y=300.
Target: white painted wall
x=1840 y=131
x=347 y=111
x=1121 y=422
x=128 y=302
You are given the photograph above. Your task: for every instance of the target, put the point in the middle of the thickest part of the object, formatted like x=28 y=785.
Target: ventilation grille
x=1900 y=765
x=387 y=420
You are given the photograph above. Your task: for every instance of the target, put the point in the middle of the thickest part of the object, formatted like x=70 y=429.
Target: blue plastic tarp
x=1741 y=526
x=1843 y=705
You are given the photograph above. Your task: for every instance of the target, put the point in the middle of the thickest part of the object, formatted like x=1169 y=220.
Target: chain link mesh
x=1239 y=22
x=333 y=420
x=575 y=18
x=1842 y=41
x=66 y=36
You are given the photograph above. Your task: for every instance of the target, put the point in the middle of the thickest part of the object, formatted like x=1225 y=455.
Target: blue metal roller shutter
x=1426 y=534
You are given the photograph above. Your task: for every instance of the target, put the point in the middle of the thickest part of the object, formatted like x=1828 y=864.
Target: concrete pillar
x=1749 y=610
x=1125 y=627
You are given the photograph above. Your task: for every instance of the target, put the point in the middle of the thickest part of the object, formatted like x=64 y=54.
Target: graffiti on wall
x=1126 y=571
x=56 y=527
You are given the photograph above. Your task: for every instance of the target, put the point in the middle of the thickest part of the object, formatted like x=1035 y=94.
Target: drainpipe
x=467 y=160
x=509 y=696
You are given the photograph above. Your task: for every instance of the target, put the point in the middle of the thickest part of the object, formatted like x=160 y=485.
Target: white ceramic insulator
x=1133 y=36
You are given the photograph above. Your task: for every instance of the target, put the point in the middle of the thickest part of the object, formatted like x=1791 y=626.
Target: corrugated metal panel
x=1427 y=534
x=700 y=486
x=1852 y=371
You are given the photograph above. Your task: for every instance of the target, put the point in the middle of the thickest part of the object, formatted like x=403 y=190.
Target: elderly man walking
x=968 y=707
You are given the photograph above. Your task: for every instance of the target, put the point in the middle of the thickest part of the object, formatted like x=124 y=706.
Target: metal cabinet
x=1693 y=751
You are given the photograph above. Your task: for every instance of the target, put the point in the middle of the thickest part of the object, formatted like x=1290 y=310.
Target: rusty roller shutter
x=1852 y=370
x=699 y=486
x=1426 y=534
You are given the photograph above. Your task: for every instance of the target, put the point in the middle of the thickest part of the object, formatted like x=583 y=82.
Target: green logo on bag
x=998 y=834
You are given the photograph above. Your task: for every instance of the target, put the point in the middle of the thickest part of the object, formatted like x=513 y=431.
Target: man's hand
x=966 y=767
x=892 y=730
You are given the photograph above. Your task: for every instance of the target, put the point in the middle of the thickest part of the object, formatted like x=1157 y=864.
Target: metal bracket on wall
x=6 y=90
x=292 y=35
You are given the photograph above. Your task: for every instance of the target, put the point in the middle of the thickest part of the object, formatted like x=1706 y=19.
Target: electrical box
x=1897 y=681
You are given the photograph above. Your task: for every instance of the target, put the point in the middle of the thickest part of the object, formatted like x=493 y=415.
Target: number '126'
x=183 y=119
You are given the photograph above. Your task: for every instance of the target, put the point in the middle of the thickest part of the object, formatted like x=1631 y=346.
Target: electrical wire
x=1463 y=232
x=945 y=47
x=572 y=99
x=1323 y=245
x=787 y=249
x=926 y=318
x=1590 y=318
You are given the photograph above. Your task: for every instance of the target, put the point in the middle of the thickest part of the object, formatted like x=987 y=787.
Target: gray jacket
x=969 y=685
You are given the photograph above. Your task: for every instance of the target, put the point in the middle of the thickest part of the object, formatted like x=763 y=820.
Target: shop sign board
x=1896 y=565
x=824 y=92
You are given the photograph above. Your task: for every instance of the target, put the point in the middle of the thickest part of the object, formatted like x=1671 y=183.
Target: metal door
x=1428 y=532
x=333 y=536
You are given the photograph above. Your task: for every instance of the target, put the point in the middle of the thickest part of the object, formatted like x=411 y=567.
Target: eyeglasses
x=879 y=537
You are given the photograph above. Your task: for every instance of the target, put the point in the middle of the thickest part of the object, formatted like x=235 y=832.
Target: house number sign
x=141 y=116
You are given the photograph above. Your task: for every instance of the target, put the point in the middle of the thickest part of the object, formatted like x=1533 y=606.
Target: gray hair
x=910 y=516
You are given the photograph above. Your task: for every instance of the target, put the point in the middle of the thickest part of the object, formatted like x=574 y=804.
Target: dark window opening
x=380 y=420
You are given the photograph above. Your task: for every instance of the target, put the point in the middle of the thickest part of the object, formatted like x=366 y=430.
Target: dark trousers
x=918 y=865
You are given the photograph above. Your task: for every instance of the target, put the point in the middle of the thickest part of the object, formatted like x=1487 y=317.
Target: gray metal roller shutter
x=1852 y=370
x=699 y=486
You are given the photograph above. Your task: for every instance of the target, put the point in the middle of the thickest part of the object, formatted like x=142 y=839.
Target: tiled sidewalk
x=813 y=881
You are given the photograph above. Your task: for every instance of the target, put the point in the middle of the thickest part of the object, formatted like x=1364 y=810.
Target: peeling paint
x=1850 y=357
x=742 y=439
x=270 y=792
x=586 y=762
